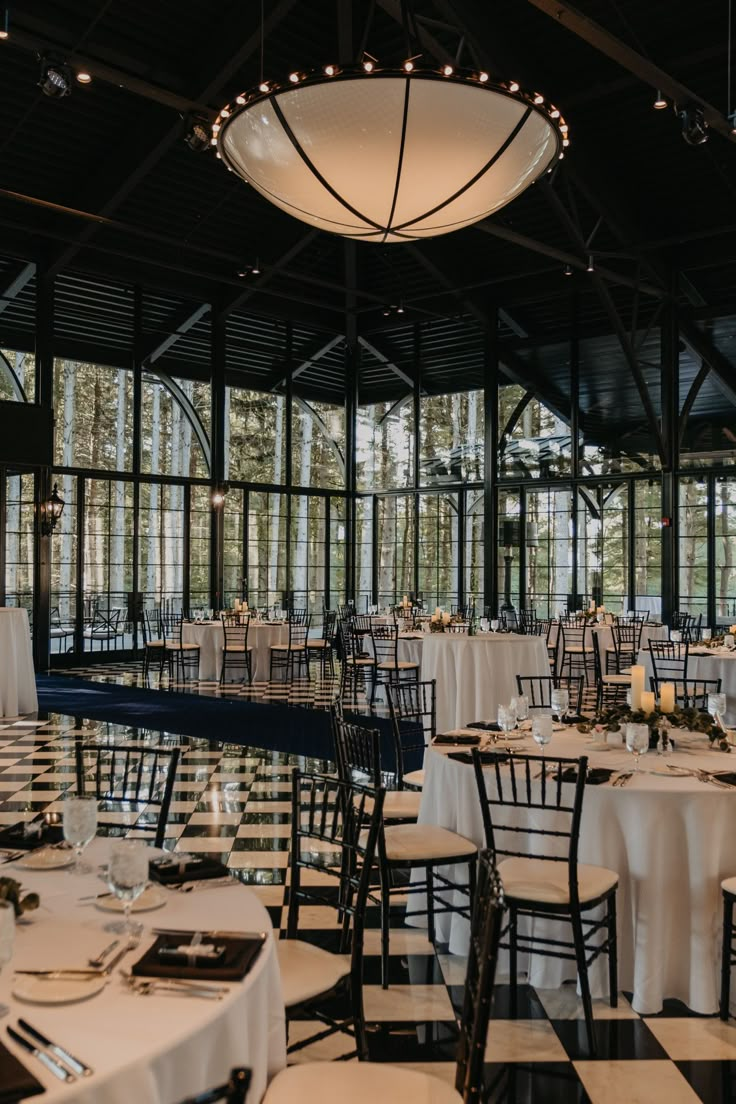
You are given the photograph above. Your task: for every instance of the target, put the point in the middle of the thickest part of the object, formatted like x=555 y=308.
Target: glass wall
x=93 y=411
x=451 y=429
x=395 y=521
x=317 y=445
x=693 y=548
x=267 y=541
x=385 y=445
x=107 y=563
x=19 y=536
x=438 y=564
x=256 y=437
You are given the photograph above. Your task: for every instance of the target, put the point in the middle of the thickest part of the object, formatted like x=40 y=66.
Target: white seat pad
x=400 y=665
x=357 y=1083
x=398 y=805
x=728 y=885
x=406 y=842
x=547 y=882
x=415 y=778
x=307 y=971
x=617 y=680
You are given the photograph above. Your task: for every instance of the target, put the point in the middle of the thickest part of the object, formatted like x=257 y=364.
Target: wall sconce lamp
x=51 y=511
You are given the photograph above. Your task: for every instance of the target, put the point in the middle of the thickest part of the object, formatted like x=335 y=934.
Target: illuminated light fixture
x=84 y=77
x=250 y=269
x=660 y=103
x=240 y=100
x=590 y=267
x=55 y=80
x=564 y=128
x=197 y=136
x=4 y=23
x=225 y=113
x=447 y=70
x=554 y=113
x=218 y=494
x=263 y=86
x=330 y=70
x=568 y=270
x=51 y=511
x=391 y=154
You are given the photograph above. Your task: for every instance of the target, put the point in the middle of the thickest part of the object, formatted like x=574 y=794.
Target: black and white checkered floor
x=235 y=802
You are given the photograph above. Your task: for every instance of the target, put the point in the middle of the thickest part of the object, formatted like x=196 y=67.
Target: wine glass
x=560 y=702
x=494 y=624
x=522 y=707
x=7 y=939
x=717 y=707
x=127 y=877
x=80 y=826
x=707 y=634
x=675 y=636
x=637 y=741
x=485 y=624
x=542 y=729
x=506 y=718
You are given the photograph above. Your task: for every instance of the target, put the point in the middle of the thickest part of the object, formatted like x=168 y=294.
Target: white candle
x=405 y=601
x=437 y=611
x=647 y=701
x=591 y=607
x=667 y=697
x=637 y=685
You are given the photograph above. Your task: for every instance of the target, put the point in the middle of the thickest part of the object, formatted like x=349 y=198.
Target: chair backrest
x=528 y=619
x=234 y=1091
x=297 y=616
x=574 y=634
x=538 y=690
x=151 y=624
x=669 y=659
x=458 y=627
x=466 y=612
x=509 y=620
x=627 y=636
x=298 y=633
x=534 y=783
x=336 y=814
x=235 y=629
x=485 y=938
x=329 y=617
x=357 y=751
x=126 y=775
x=413 y=710
x=385 y=643
x=689 y=692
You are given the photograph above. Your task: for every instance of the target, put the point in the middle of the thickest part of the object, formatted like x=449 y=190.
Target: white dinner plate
x=48 y=990
x=598 y=745
x=151 y=898
x=46 y=859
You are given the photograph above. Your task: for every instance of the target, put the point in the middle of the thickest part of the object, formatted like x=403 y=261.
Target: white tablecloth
x=706 y=664
x=155 y=1049
x=17 y=679
x=669 y=838
x=475 y=674
x=211 y=640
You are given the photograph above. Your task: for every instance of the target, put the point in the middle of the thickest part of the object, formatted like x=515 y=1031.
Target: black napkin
x=574 y=718
x=469 y=741
x=15 y=837
x=729 y=777
x=485 y=756
x=191 y=870
x=487 y=726
x=596 y=775
x=240 y=954
x=16 y=1083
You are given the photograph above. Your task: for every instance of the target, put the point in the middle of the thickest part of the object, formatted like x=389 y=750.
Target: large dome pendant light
x=390 y=154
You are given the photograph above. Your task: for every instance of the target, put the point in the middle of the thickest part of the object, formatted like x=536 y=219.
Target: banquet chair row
x=371 y=652
x=538 y=690
x=690 y=693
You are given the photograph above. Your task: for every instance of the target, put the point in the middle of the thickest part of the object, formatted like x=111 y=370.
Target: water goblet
x=637 y=741
x=127 y=877
x=80 y=826
x=522 y=707
x=494 y=625
x=7 y=939
x=717 y=707
x=675 y=636
x=729 y=641
x=506 y=718
x=707 y=634
x=542 y=729
x=560 y=702
x=485 y=624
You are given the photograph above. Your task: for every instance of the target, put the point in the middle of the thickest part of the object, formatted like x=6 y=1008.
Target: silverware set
x=701 y=775
x=56 y=1058
x=83 y=972
x=148 y=986
x=621 y=779
x=8 y=856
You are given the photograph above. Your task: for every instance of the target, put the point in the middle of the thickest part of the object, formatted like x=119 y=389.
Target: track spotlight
x=590 y=267
x=694 y=126
x=660 y=102
x=4 y=23
x=84 y=77
x=248 y=269
x=568 y=270
x=55 y=80
x=197 y=135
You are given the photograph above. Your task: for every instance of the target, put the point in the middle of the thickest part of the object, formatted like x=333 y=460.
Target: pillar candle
x=667 y=697
x=637 y=685
x=647 y=701
x=437 y=611
x=405 y=601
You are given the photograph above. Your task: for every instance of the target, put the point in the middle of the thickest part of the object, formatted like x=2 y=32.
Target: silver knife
x=74 y=1064
x=262 y=935
x=45 y=1059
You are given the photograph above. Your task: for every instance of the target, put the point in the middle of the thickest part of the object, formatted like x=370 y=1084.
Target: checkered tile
x=235 y=802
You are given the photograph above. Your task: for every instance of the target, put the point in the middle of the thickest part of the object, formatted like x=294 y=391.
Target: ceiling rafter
x=22 y=274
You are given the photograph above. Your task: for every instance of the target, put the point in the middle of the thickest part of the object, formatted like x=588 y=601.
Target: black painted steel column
x=670 y=433
x=42 y=481
x=219 y=353
x=137 y=444
x=490 y=466
x=352 y=374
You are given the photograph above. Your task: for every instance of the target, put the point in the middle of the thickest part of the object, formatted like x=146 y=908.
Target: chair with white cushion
x=390 y=670
x=610 y=689
x=293 y=653
x=413 y=710
x=185 y=652
x=334 y=830
x=532 y=806
x=234 y=1091
x=236 y=652
x=406 y=846
x=381 y=1083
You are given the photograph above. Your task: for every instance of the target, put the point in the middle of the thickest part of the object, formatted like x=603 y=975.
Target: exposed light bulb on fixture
x=240 y=100
x=368 y=66
x=514 y=86
x=408 y=66
x=660 y=103
x=564 y=128
x=482 y=77
x=330 y=70
x=263 y=86
x=568 y=270
x=5 y=23
x=294 y=78
x=538 y=99
x=554 y=113
x=225 y=113
x=566 y=141
x=590 y=267
x=447 y=70
x=84 y=77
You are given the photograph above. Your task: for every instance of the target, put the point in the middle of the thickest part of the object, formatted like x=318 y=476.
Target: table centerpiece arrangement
x=11 y=892
x=616 y=717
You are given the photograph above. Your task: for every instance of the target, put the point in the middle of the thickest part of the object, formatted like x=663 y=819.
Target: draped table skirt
x=17 y=678
x=211 y=639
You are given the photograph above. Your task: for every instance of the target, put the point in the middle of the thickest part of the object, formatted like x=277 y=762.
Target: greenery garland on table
x=10 y=892
x=439 y=622
x=686 y=719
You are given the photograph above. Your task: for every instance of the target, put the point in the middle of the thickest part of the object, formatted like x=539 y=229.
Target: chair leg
x=726 y=955
x=385 y=924
x=513 y=962
x=612 y=952
x=430 y=906
x=578 y=940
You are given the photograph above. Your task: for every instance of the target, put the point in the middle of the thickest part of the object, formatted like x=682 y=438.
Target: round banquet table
x=211 y=640
x=706 y=663
x=475 y=674
x=669 y=838
x=156 y=1049
x=17 y=679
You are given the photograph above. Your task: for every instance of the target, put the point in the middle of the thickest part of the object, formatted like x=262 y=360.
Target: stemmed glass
x=127 y=877
x=542 y=729
x=7 y=939
x=560 y=702
x=506 y=718
x=80 y=826
x=522 y=707
x=494 y=624
x=717 y=707
x=637 y=741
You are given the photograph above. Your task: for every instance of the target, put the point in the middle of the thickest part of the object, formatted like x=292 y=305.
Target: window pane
x=256 y=450
x=108 y=563
x=19 y=533
x=603 y=528
x=22 y=366
x=161 y=553
x=532 y=440
x=337 y=552
x=395 y=548
x=549 y=551
x=266 y=548
x=474 y=558
x=94 y=416
x=199 y=546
x=64 y=568
x=169 y=443
x=438 y=550
x=693 y=546
x=385 y=445
x=308 y=520
x=451 y=438
x=648 y=546
x=318 y=444
x=364 y=552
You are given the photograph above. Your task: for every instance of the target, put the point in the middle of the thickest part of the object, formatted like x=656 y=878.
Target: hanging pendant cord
x=263 y=36
x=728 y=63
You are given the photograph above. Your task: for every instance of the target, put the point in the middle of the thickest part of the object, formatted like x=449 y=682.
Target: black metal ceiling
x=102 y=186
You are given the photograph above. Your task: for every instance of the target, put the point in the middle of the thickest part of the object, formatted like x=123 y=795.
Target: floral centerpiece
x=686 y=719
x=10 y=891
x=439 y=620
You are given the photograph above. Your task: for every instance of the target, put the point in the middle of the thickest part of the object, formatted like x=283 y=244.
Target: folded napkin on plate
x=596 y=775
x=188 y=870
x=574 y=718
x=15 y=836
x=240 y=954
x=485 y=756
x=16 y=1083
x=469 y=741
x=487 y=726
x=729 y=777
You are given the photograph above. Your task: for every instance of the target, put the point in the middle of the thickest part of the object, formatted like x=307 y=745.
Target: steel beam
x=23 y=275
